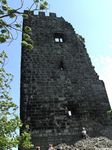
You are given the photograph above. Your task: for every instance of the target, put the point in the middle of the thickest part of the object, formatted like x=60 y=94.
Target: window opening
x=69 y=113
x=59 y=37
x=73 y=109
x=57 y=40
x=61 y=65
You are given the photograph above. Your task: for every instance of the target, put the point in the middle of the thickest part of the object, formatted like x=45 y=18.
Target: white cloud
x=103 y=66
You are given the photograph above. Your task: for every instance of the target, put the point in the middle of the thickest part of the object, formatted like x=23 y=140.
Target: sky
x=90 y=18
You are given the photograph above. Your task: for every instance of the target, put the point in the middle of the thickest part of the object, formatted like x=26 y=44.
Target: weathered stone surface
x=56 y=77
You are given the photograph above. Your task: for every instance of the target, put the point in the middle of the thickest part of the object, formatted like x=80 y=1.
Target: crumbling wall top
x=40 y=13
x=52 y=14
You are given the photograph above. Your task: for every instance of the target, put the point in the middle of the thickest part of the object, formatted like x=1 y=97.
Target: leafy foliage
x=109 y=113
x=10 y=122
x=6 y=13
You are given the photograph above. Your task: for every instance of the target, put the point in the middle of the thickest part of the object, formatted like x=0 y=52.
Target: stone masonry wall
x=57 y=77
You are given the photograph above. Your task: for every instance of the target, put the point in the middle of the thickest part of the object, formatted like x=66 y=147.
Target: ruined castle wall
x=57 y=76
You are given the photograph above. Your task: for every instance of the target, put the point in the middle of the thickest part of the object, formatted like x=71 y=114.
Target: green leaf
x=26 y=36
x=24 y=44
x=45 y=3
x=11 y=12
x=12 y=15
x=27 y=45
x=5 y=7
x=18 y=25
x=25 y=16
x=42 y=6
x=36 y=1
x=4 y=1
x=27 y=29
x=1 y=12
x=30 y=46
x=4 y=31
x=2 y=39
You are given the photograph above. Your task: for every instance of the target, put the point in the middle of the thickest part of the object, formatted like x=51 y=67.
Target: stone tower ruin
x=60 y=90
